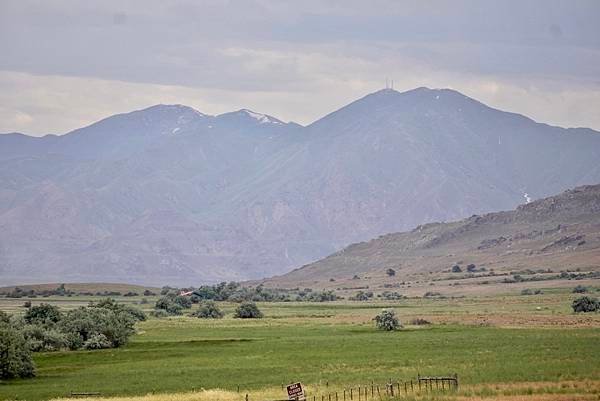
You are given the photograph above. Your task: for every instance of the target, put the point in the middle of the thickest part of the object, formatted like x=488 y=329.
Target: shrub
x=83 y=323
x=248 y=310
x=4 y=317
x=148 y=293
x=208 y=310
x=471 y=268
x=391 y=296
x=527 y=291
x=419 y=322
x=111 y=304
x=390 y=272
x=361 y=296
x=585 y=304
x=580 y=289
x=184 y=302
x=387 y=320
x=168 y=305
x=15 y=355
x=43 y=314
x=159 y=313
x=41 y=338
x=456 y=269
x=97 y=341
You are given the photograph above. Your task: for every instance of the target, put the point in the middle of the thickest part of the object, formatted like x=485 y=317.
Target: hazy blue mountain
x=170 y=195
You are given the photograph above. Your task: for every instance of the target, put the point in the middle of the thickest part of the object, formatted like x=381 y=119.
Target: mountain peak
x=173 y=108
x=252 y=115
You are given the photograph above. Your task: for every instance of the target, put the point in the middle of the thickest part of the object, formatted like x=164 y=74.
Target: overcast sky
x=65 y=64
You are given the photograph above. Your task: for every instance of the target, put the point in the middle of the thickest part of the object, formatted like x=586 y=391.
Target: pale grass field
x=588 y=390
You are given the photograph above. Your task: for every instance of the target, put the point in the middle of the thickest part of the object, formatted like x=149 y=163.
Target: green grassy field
x=329 y=342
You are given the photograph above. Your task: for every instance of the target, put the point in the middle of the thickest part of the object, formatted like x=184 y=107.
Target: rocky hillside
x=169 y=195
x=547 y=236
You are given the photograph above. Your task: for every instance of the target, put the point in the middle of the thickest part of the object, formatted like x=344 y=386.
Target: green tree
x=81 y=324
x=248 y=310
x=15 y=355
x=43 y=314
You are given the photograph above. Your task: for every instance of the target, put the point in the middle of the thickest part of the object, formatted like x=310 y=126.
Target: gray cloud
x=282 y=54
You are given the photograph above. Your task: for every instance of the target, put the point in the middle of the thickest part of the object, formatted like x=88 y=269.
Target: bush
x=361 y=296
x=159 y=313
x=111 y=304
x=15 y=355
x=84 y=323
x=456 y=269
x=471 y=268
x=585 y=304
x=387 y=320
x=184 y=302
x=4 y=317
x=41 y=338
x=208 y=310
x=97 y=341
x=390 y=272
x=168 y=305
x=43 y=314
x=580 y=289
x=419 y=322
x=527 y=291
x=248 y=310
x=391 y=296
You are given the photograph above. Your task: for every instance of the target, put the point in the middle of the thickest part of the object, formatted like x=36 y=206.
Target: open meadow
x=499 y=346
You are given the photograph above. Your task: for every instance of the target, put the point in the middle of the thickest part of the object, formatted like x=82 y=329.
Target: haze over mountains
x=168 y=195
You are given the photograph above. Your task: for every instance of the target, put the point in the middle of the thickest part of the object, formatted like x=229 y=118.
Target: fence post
x=351 y=393
x=246 y=396
x=411 y=386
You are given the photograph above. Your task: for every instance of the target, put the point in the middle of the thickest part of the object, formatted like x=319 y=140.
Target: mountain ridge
x=560 y=233
x=172 y=195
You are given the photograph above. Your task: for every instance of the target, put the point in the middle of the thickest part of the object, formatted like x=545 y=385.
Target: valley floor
x=503 y=347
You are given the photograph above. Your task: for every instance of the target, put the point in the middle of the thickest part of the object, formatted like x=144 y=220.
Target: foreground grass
x=315 y=344
x=530 y=391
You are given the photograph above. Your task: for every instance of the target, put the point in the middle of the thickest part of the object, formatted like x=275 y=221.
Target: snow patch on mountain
x=261 y=118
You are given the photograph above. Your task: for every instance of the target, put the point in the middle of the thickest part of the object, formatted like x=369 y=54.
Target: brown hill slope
x=536 y=242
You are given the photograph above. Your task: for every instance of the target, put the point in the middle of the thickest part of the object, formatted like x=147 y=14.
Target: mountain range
x=169 y=195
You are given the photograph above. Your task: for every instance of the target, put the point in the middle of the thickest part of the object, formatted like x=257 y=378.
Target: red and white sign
x=295 y=392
